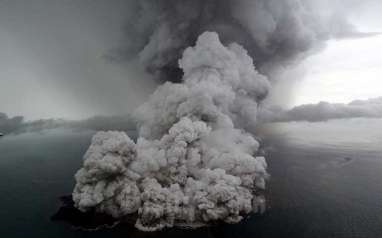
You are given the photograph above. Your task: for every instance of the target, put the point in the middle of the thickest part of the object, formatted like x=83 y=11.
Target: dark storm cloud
x=323 y=111
x=273 y=31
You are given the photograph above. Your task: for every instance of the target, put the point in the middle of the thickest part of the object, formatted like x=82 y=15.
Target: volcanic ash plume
x=275 y=32
x=193 y=162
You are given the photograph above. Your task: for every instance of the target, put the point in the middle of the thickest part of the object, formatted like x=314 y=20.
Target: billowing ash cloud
x=8 y=125
x=193 y=162
x=371 y=108
x=272 y=31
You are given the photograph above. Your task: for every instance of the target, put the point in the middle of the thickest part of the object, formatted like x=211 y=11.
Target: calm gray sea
x=326 y=181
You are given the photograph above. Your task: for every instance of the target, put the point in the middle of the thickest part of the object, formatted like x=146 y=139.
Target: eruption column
x=193 y=162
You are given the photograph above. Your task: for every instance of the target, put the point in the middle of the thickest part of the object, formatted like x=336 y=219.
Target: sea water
x=325 y=182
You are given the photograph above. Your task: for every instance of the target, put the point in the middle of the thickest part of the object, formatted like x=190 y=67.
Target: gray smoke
x=323 y=111
x=69 y=65
x=193 y=162
x=274 y=32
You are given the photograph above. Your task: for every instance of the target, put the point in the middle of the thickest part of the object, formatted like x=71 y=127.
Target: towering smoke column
x=193 y=162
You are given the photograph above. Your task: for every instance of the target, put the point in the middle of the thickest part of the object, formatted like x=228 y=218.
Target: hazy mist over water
x=343 y=134
x=324 y=183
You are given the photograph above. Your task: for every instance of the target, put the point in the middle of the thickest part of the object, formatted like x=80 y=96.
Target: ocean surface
x=326 y=181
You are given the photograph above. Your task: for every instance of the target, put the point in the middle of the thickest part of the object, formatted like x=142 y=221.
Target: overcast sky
x=52 y=64
x=346 y=70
